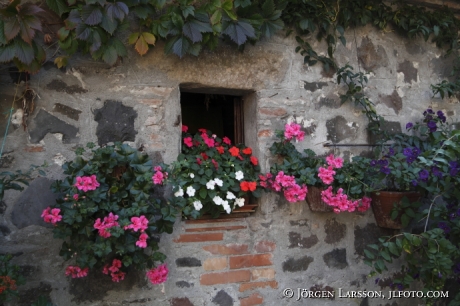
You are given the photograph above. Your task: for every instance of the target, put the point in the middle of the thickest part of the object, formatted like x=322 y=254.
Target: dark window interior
x=219 y=113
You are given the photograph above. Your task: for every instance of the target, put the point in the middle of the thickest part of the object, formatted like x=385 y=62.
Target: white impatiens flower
x=191 y=191
x=210 y=184
x=226 y=207
x=218 y=200
x=198 y=205
x=179 y=193
x=239 y=175
x=192 y=175
x=218 y=182
x=239 y=202
x=230 y=196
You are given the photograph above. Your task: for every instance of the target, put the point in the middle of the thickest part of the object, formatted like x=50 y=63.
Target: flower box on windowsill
x=240 y=212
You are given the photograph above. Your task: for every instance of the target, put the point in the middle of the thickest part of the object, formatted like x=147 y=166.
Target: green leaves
x=238 y=31
x=142 y=41
x=58 y=6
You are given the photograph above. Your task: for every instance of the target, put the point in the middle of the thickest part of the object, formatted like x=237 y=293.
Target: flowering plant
x=295 y=170
x=212 y=175
x=431 y=163
x=107 y=214
x=10 y=278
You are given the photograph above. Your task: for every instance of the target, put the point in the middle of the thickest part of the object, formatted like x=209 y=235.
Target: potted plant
x=107 y=214
x=212 y=175
x=431 y=254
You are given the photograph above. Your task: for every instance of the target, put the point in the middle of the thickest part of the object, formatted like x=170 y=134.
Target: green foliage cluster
x=10 y=278
x=15 y=180
x=187 y=26
x=126 y=190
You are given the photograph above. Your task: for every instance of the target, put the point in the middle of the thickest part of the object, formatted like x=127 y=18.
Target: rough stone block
x=45 y=123
x=410 y=72
x=184 y=284
x=115 y=122
x=336 y=259
x=367 y=235
x=339 y=129
x=225 y=277
x=31 y=203
x=222 y=298
x=68 y=111
x=296 y=265
x=188 y=262
x=181 y=302
x=335 y=231
x=238 y=262
x=296 y=241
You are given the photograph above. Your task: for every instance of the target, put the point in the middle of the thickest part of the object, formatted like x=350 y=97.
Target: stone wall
x=247 y=261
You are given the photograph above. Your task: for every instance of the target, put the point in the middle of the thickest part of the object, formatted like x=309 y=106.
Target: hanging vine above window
x=188 y=26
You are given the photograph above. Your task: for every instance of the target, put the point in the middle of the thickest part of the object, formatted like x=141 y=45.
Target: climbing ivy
x=103 y=28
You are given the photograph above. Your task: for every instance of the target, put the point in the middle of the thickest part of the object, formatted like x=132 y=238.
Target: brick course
x=238 y=262
x=225 y=277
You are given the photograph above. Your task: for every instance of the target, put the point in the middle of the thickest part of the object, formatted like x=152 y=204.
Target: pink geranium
x=188 y=142
x=292 y=131
x=103 y=226
x=158 y=275
x=76 y=271
x=51 y=215
x=142 y=242
x=334 y=162
x=159 y=176
x=184 y=128
x=114 y=270
x=326 y=175
x=86 y=183
x=227 y=140
x=138 y=223
x=340 y=201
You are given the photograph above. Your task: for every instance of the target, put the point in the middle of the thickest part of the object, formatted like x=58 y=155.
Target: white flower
x=210 y=184
x=218 y=182
x=190 y=191
x=179 y=193
x=226 y=207
x=217 y=200
x=230 y=195
x=198 y=205
x=239 y=202
x=239 y=175
x=192 y=175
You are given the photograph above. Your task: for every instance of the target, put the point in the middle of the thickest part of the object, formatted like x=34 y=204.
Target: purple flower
x=400 y=287
x=432 y=126
x=439 y=274
x=383 y=162
x=377 y=280
x=423 y=175
x=407 y=152
x=452 y=216
x=391 y=152
x=444 y=227
x=414 y=183
x=415 y=152
x=373 y=163
x=441 y=116
x=436 y=172
x=409 y=125
x=428 y=111
x=453 y=168
x=410 y=159
x=385 y=170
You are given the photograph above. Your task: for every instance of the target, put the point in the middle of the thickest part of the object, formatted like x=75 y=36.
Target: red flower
x=234 y=151
x=184 y=128
x=248 y=186
x=240 y=157
x=227 y=140
x=254 y=160
x=220 y=150
x=198 y=161
x=202 y=131
x=247 y=151
x=188 y=142
x=205 y=157
x=215 y=163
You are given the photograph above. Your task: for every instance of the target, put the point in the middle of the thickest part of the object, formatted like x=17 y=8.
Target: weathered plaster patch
x=370 y=57
x=339 y=129
x=393 y=101
x=410 y=72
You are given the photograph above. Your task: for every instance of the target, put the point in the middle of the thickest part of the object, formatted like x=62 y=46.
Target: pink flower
x=326 y=175
x=114 y=271
x=51 y=215
x=76 y=271
x=184 y=128
x=139 y=223
x=103 y=227
x=215 y=163
x=75 y=197
x=295 y=193
x=105 y=270
x=118 y=276
x=365 y=204
x=158 y=178
x=227 y=140
x=158 y=275
x=188 y=142
x=86 y=183
x=209 y=141
x=292 y=131
x=334 y=162
x=142 y=242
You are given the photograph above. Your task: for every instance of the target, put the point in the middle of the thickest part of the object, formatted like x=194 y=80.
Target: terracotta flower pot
x=382 y=205
x=314 y=200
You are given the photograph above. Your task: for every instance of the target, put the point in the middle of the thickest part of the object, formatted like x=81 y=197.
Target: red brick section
x=269 y=111
x=181 y=302
x=228 y=249
x=216 y=263
x=244 y=261
x=254 y=285
x=225 y=277
x=215 y=228
x=265 y=133
x=253 y=299
x=200 y=237
x=214 y=221
x=265 y=246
